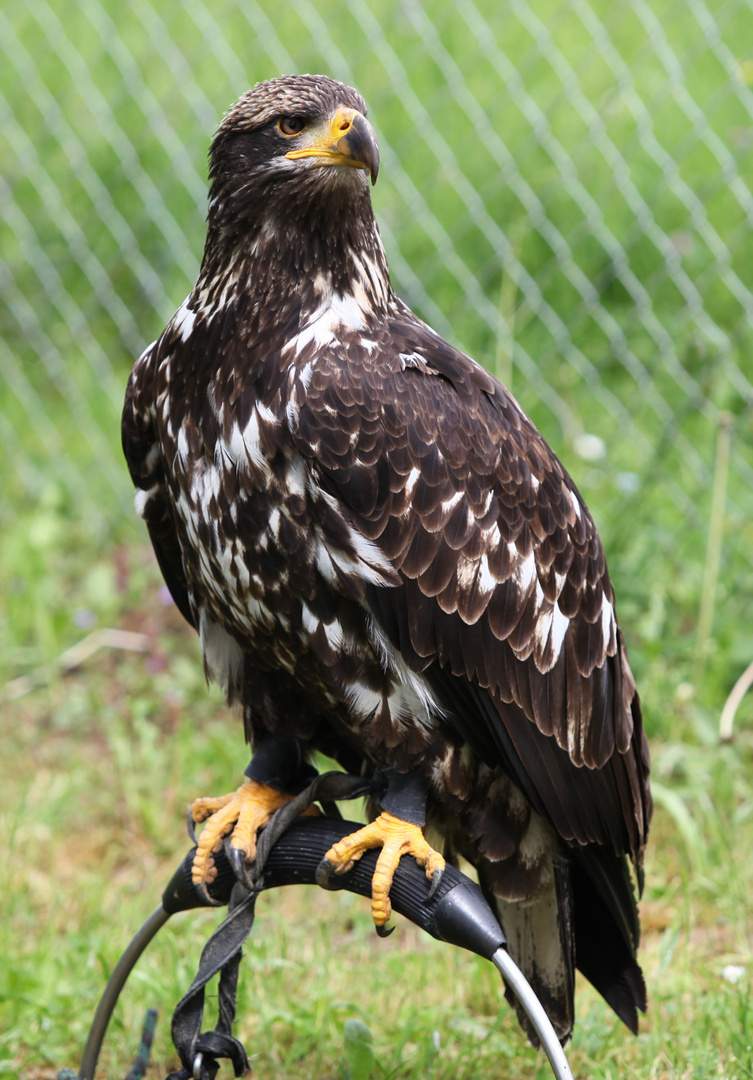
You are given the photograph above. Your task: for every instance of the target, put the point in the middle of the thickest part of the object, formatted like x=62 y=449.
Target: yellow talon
x=244 y=812
x=396 y=838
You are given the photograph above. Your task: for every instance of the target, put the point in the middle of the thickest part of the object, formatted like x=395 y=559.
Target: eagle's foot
x=242 y=814
x=396 y=838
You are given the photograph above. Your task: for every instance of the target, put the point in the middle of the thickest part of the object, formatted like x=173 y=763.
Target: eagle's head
x=290 y=205
x=291 y=149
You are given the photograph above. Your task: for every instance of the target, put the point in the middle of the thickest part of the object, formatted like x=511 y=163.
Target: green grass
x=107 y=113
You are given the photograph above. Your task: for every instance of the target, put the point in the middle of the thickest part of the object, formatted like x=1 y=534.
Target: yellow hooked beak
x=346 y=139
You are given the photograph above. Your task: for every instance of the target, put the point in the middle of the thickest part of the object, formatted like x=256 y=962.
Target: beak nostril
x=345 y=125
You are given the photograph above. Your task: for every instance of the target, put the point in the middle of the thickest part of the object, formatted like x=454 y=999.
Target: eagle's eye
x=291 y=125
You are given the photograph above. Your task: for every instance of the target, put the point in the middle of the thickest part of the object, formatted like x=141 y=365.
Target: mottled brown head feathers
x=309 y=95
x=256 y=187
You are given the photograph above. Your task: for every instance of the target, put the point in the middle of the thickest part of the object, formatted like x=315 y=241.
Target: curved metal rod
x=534 y=1010
x=116 y=982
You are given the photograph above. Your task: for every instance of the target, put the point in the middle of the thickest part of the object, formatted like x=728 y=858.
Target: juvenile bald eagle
x=384 y=560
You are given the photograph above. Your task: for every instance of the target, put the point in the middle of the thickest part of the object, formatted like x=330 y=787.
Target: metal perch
x=457 y=914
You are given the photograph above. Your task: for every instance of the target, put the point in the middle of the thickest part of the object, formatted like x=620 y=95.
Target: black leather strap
x=278 y=762
x=199 y=1051
x=405 y=796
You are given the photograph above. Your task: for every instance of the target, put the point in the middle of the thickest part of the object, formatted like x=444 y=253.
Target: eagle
x=386 y=563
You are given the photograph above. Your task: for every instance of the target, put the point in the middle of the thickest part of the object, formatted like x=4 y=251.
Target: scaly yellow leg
x=396 y=838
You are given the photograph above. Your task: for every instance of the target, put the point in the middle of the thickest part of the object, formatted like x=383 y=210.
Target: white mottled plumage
x=382 y=556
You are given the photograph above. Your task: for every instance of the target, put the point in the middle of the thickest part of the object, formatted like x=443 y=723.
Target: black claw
x=323 y=875
x=436 y=881
x=204 y=895
x=237 y=859
x=191 y=826
x=383 y=931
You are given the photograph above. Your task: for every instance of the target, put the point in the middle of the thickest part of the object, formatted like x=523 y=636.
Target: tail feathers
x=626 y=993
x=606 y=935
x=576 y=923
x=539 y=940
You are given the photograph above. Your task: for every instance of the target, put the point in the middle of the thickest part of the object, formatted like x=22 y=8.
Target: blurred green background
x=566 y=193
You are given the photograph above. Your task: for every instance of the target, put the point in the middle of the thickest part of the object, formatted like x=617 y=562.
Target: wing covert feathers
x=505 y=584
x=145 y=464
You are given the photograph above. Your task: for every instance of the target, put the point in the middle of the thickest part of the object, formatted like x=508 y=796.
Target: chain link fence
x=566 y=193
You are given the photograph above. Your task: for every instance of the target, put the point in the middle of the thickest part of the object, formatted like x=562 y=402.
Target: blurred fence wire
x=566 y=193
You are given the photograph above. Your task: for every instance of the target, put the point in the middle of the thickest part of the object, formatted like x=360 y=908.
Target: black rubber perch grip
x=457 y=913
